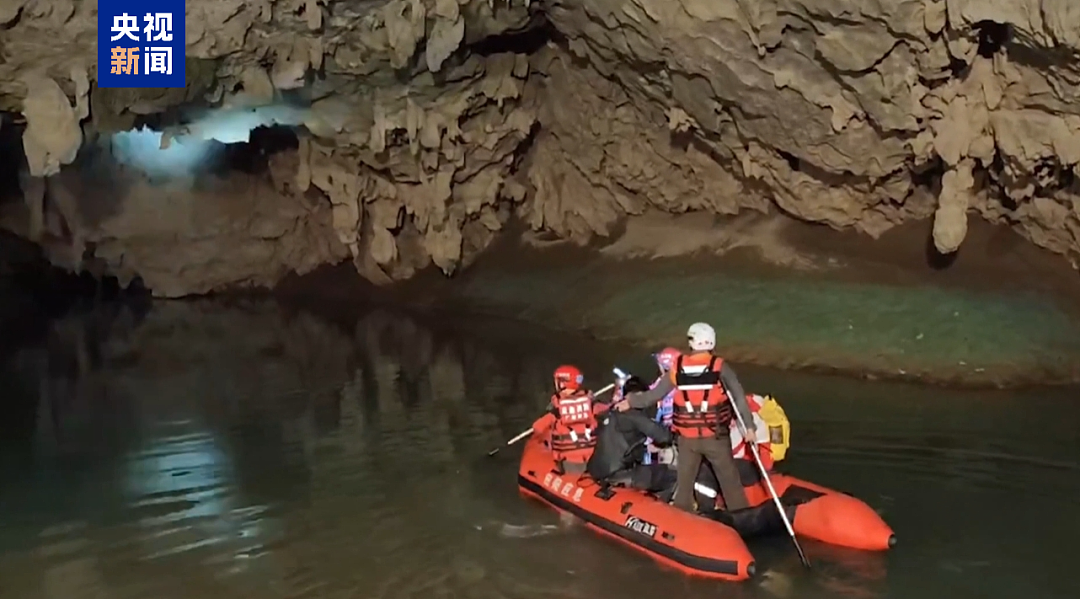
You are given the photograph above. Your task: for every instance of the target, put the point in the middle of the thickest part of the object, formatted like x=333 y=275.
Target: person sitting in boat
x=570 y=421
x=707 y=393
x=762 y=438
x=665 y=359
x=620 y=450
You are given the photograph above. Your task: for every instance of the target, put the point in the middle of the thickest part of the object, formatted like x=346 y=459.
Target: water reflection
x=180 y=485
x=253 y=449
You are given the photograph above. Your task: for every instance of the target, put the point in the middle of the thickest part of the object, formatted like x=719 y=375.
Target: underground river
x=257 y=450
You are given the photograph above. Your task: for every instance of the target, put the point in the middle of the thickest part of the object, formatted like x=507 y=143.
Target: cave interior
x=327 y=139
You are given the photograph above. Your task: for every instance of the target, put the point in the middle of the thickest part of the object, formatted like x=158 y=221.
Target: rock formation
x=429 y=124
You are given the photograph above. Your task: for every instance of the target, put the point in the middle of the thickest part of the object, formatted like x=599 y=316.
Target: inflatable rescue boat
x=708 y=545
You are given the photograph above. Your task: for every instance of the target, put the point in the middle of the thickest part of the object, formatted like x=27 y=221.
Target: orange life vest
x=700 y=407
x=572 y=437
x=764 y=444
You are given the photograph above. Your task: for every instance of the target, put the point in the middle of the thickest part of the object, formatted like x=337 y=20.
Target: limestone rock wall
x=416 y=174
x=860 y=115
x=181 y=239
x=857 y=116
x=411 y=140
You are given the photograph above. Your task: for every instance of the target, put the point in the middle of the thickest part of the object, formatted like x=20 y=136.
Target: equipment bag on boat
x=779 y=427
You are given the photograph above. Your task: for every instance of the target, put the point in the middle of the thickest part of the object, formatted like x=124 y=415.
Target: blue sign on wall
x=141 y=43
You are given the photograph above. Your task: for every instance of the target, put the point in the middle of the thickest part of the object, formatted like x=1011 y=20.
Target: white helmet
x=702 y=337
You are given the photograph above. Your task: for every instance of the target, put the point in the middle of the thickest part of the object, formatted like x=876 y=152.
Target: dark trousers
x=654 y=478
x=717 y=453
x=658 y=479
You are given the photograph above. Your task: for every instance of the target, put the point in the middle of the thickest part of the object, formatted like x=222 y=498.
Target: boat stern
x=845 y=521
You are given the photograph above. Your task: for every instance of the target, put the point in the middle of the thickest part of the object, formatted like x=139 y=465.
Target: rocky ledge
x=427 y=125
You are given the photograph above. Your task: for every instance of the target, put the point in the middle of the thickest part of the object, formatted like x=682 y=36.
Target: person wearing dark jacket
x=620 y=451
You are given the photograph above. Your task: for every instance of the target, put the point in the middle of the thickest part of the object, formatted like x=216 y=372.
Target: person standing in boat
x=707 y=391
x=570 y=421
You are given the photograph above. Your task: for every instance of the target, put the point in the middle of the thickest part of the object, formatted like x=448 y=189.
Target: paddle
x=525 y=433
x=751 y=446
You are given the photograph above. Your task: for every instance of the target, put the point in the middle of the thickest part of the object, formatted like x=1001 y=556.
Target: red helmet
x=666 y=357
x=568 y=378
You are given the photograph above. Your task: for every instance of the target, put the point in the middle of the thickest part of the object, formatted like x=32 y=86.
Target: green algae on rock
x=929 y=333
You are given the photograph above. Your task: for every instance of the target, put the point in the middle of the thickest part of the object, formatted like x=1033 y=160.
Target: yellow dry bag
x=779 y=427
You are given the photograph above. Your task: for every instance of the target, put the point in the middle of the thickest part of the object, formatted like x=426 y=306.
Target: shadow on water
x=257 y=449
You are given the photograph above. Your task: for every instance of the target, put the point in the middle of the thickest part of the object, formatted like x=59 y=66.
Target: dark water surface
x=257 y=451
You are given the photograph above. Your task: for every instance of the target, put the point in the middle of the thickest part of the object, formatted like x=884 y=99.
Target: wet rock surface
x=783 y=293
x=430 y=124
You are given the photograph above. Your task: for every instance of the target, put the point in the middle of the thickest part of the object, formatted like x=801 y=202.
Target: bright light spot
x=141 y=149
x=194 y=147
x=235 y=125
x=189 y=468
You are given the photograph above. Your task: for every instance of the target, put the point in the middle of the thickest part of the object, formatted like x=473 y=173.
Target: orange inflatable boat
x=710 y=545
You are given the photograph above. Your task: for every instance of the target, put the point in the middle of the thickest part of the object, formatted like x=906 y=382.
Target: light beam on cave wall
x=235 y=125
x=141 y=149
x=198 y=146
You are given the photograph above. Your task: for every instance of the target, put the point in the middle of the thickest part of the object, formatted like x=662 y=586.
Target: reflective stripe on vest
x=573 y=439
x=699 y=384
x=572 y=436
x=573 y=446
x=574 y=409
